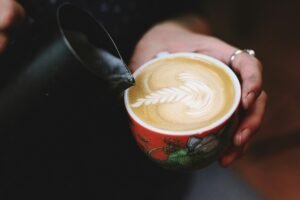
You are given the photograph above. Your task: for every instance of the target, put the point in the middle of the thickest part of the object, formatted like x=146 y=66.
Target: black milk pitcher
x=76 y=62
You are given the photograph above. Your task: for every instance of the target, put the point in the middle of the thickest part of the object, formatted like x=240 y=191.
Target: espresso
x=181 y=94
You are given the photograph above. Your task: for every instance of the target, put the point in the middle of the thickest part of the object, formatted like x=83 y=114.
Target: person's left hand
x=174 y=37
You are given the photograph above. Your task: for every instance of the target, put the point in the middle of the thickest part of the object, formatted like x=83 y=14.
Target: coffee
x=181 y=93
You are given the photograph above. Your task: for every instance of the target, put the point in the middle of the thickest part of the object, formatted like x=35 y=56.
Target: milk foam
x=181 y=94
x=193 y=93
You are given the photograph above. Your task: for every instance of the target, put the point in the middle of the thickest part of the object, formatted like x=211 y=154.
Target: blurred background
x=271 y=28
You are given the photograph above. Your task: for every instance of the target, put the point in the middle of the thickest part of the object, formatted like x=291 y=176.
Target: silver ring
x=240 y=51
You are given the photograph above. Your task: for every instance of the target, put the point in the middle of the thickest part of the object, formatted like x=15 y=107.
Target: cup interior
x=217 y=63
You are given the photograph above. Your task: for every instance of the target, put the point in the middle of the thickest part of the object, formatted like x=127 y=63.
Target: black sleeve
x=150 y=12
x=165 y=9
x=127 y=26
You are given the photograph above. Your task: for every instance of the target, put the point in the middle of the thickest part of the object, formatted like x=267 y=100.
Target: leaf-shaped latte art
x=192 y=93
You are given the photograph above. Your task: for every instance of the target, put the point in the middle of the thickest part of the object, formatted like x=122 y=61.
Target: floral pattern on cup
x=191 y=152
x=190 y=147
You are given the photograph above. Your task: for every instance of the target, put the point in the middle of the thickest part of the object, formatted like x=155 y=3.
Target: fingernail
x=242 y=137
x=249 y=99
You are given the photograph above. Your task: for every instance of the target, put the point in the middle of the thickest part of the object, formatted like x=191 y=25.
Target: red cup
x=182 y=150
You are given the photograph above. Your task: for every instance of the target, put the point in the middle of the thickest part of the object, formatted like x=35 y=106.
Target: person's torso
x=126 y=20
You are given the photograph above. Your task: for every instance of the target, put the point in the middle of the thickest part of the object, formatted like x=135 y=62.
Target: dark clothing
x=126 y=20
x=90 y=154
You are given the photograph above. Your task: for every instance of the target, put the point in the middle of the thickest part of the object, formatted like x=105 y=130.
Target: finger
x=248 y=67
x=230 y=157
x=252 y=121
x=143 y=54
x=250 y=71
x=11 y=14
x=3 y=42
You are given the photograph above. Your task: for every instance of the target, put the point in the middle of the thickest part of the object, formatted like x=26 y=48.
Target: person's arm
x=190 y=34
x=11 y=14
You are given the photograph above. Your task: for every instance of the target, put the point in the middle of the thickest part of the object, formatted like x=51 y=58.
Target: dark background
x=271 y=28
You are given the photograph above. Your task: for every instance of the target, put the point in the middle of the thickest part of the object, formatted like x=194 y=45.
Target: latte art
x=181 y=94
x=193 y=93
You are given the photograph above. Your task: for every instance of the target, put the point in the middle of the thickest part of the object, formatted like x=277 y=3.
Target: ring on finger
x=232 y=57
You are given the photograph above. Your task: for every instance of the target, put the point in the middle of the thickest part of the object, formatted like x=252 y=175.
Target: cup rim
x=218 y=63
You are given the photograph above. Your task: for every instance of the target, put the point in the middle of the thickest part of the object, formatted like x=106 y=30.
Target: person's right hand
x=11 y=14
x=171 y=36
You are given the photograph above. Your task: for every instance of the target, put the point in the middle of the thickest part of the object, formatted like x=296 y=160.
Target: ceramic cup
x=192 y=149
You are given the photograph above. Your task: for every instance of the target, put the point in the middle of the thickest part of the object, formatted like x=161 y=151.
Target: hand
x=11 y=14
x=174 y=36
